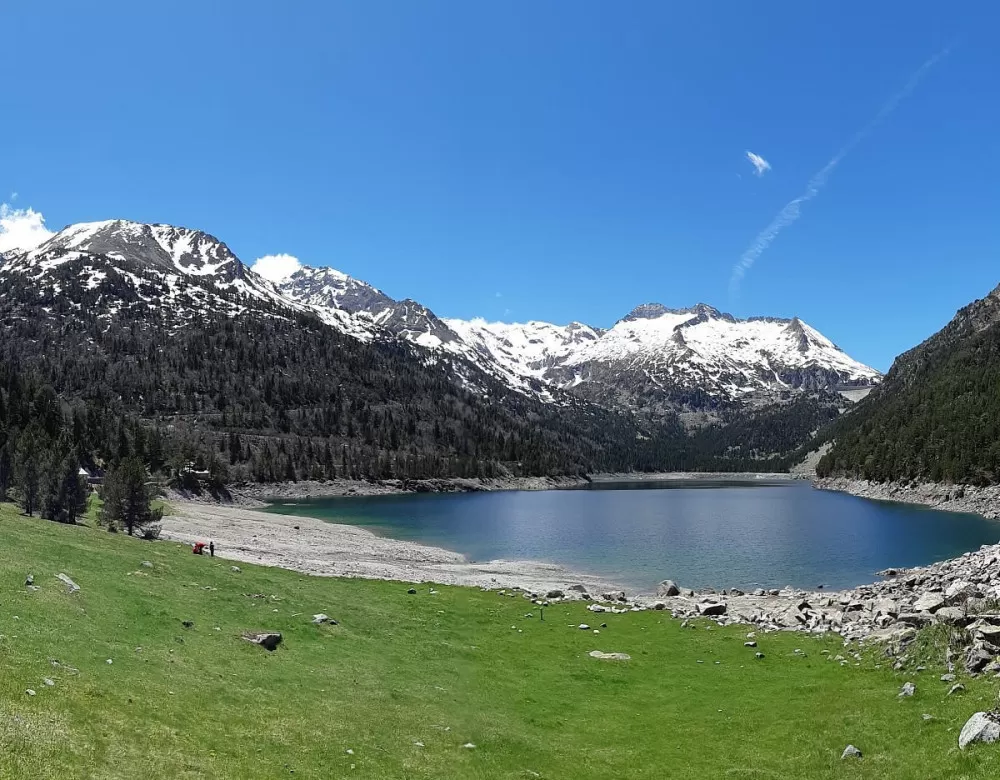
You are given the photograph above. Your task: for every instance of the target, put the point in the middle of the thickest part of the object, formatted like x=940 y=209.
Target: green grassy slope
x=444 y=670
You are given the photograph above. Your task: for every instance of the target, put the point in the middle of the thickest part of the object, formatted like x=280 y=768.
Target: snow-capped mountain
x=674 y=349
x=654 y=358
x=362 y=310
x=179 y=270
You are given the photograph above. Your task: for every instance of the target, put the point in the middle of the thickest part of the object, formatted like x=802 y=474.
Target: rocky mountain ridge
x=655 y=359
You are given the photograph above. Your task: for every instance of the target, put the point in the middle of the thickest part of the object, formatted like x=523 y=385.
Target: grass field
x=445 y=670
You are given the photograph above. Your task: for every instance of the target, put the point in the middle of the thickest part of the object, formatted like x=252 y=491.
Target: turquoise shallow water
x=704 y=536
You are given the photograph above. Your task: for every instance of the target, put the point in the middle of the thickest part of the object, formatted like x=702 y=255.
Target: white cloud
x=276 y=267
x=760 y=165
x=793 y=209
x=21 y=228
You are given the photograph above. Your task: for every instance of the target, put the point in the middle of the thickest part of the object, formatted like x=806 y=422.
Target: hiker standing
x=211 y=549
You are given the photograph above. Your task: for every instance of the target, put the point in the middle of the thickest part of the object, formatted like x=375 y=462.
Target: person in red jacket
x=198 y=548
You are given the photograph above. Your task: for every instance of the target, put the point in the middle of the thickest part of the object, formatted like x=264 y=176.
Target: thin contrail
x=791 y=211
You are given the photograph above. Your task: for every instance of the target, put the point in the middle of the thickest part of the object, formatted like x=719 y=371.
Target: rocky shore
x=257 y=493
x=962 y=594
x=696 y=476
x=983 y=501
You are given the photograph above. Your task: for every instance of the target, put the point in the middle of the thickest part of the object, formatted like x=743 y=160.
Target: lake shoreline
x=885 y=610
x=953 y=498
x=261 y=494
x=320 y=548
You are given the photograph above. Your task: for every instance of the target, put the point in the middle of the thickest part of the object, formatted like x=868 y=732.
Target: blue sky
x=525 y=160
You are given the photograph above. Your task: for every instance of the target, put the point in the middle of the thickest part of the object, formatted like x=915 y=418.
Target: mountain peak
x=162 y=247
x=652 y=311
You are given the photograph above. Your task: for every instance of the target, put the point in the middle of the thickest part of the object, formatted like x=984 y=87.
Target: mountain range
x=660 y=388
x=653 y=355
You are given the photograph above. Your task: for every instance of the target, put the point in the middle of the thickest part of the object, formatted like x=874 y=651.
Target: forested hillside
x=156 y=342
x=937 y=414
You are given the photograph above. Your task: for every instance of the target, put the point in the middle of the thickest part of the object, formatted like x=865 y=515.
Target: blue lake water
x=699 y=536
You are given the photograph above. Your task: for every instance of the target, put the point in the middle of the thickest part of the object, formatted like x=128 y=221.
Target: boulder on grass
x=610 y=656
x=981 y=727
x=71 y=586
x=269 y=640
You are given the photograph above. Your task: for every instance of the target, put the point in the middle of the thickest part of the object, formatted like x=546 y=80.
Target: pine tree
x=66 y=499
x=127 y=500
x=28 y=470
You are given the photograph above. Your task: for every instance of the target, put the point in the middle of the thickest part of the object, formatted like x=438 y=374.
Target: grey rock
x=709 y=608
x=320 y=619
x=961 y=591
x=29 y=580
x=915 y=619
x=236 y=569
x=976 y=659
x=989 y=633
x=929 y=602
x=147 y=564
x=411 y=591
x=668 y=588
x=269 y=640
x=956 y=688
x=758 y=655
x=751 y=643
x=981 y=727
x=948 y=677
x=908 y=689
x=610 y=656
x=951 y=615
x=850 y=752
x=888 y=607
x=71 y=587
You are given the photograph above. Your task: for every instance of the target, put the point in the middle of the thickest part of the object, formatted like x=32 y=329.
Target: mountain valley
x=323 y=375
